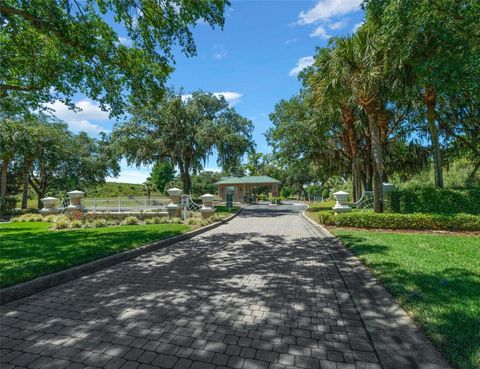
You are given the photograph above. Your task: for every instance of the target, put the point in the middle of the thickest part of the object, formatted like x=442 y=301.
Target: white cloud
x=129 y=176
x=80 y=121
x=357 y=26
x=125 y=41
x=320 y=32
x=302 y=63
x=85 y=126
x=326 y=9
x=212 y=169
x=290 y=41
x=342 y=23
x=219 y=56
x=231 y=97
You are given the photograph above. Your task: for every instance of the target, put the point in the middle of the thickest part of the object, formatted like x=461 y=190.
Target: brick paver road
x=260 y=292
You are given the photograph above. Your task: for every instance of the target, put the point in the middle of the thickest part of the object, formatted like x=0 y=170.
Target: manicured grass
x=223 y=210
x=436 y=278
x=29 y=250
x=314 y=207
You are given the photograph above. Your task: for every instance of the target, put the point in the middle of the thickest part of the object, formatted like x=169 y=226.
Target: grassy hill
x=114 y=189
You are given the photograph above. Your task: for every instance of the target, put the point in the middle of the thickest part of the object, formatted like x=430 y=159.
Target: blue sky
x=253 y=62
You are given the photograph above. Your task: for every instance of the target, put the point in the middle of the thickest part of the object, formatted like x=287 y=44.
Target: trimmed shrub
x=99 y=223
x=61 y=222
x=429 y=200
x=130 y=221
x=194 y=221
x=50 y=218
x=75 y=224
x=117 y=217
x=417 y=221
x=28 y=218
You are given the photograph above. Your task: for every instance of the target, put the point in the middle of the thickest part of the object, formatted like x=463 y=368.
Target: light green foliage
x=162 y=173
x=130 y=221
x=52 y=49
x=61 y=223
x=100 y=223
x=74 y=224
x=285 y=192
x=194 y=221
x=436 y=278
x=32 y=218
x=175 y=220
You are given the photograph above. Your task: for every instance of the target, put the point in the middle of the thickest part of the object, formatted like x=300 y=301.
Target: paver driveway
x=261 y=292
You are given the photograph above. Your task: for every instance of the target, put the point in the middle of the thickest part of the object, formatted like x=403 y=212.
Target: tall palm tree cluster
x=399 y=93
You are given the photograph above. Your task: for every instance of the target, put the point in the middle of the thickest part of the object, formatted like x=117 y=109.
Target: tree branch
x=7 y=87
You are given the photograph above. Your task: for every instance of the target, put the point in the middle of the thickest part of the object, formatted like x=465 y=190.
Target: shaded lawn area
x=29 y=250
x=436 y=278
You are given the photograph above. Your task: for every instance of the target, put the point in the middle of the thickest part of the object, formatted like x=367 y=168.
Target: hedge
x=429 y=200
x=417 y=221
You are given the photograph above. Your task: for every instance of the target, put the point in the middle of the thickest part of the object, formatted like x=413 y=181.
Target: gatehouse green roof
x=247 y=180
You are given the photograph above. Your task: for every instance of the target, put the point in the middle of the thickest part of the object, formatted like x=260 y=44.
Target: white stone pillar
x=207 y=210
x=49 y=205
x=173 y=208
x=76 y=200
x=341 y=202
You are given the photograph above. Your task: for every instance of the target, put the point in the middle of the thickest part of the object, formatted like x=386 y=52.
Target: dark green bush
x=429 y=200
x=417 y=221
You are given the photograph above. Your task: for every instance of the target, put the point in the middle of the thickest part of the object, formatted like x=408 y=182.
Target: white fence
x=125 y=204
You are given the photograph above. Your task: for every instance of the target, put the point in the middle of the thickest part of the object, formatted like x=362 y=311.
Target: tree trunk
x=26 y=179
x=3 y=201
x=371 y=108
x=430 y=99
x=368 y=163
x=357 y=179
x=471 y=177
x=364 y=180
x=187 y=183
x=348 y=118
x=40 y=193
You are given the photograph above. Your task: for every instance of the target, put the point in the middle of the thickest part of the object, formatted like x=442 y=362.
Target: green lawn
x=223 y=210
x=29 y=250
x=436 y=278
x=314 y=207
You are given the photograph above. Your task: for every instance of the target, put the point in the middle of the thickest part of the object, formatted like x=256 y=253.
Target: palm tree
x=359 y=58
x=332 y=92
